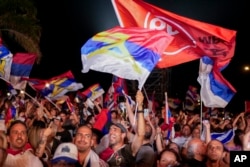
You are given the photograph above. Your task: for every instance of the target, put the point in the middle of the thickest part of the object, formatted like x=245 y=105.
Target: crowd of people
x=44 y=135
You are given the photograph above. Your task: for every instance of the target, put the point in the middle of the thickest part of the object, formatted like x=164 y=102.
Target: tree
x=19 y=27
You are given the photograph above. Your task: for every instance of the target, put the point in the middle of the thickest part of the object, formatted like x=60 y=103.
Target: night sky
x=68 y=24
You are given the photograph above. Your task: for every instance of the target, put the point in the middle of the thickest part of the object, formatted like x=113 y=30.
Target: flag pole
x=201 y=116
x=23 y=92
x=145 y=93
x=52 y=103
x=4 y=80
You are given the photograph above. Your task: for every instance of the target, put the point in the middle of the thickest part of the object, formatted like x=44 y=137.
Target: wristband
x=140 y=111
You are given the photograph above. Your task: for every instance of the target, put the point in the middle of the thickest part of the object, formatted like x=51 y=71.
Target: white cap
x=67 y=152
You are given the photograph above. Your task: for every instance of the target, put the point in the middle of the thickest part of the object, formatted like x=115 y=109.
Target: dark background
x=68 y=24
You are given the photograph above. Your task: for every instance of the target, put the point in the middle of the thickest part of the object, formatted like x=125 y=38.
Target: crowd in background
x=38 y=133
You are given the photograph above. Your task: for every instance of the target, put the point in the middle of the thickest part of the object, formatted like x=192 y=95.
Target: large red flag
x=193 y=39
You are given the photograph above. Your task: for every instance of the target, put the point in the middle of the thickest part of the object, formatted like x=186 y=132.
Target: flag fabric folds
x=21 y=67
x=5 y=62
x=129 y=53
x=215 y=90
x=193 y=39
x=55 y=87
x=93 y=92
x=224 y=137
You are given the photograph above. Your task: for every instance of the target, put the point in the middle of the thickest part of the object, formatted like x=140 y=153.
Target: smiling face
x=18 y=137
x=83 y=139
x=115 y=135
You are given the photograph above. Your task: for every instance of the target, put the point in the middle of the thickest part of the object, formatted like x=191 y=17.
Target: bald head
x=196 y=147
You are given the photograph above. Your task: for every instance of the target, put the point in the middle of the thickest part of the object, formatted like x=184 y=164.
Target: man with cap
x=119 y=153
x=65 y=155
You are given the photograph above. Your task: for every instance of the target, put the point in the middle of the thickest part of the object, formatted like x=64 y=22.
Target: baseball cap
x=119 y=125
x=67 y=152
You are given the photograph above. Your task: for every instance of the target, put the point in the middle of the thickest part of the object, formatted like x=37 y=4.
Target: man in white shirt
x=19 y=151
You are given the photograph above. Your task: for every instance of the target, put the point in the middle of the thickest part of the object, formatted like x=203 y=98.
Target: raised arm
x=139 y=135
x=237 y=119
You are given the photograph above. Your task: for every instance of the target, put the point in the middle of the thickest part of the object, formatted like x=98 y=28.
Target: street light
x=246 y=68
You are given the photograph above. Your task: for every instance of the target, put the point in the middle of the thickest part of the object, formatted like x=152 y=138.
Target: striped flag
x=224 y=137
x=21 y=67
x=55 y=87
x=93 y=92
x=5 y=62
x=129 y=53
x=215 y=90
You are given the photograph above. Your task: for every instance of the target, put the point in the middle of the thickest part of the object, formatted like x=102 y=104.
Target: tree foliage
x=19 y=27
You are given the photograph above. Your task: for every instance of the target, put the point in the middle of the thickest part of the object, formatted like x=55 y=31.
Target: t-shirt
x=146 y=156
x=121 y=158
x=64 y=136
x=25 y=159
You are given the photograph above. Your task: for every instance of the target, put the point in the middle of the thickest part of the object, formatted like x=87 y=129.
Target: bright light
x=47 y=85
x=246 y=68
x=22 y=92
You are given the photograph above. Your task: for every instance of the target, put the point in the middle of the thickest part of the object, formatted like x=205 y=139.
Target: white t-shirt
x=26 y=159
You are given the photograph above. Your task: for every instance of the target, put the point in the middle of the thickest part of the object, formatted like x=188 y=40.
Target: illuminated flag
x=215 y=90
x=55 y=87
x=193 y=39
x=21 y=67
x=129 y=53
x=5 y=62
x=93 y=92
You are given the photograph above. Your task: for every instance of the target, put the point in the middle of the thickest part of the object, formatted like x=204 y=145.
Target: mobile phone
x=121 y=99
x=146 y=112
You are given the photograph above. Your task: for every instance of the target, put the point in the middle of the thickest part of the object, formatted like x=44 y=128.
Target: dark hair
x=177 y=127
x=98 y=134
x=39 y=123
x=236 y=139
x=161 y=121
x=169 y=150
x=14 y=123
x=114 y=111
x=89 y=118
x=64 y=112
